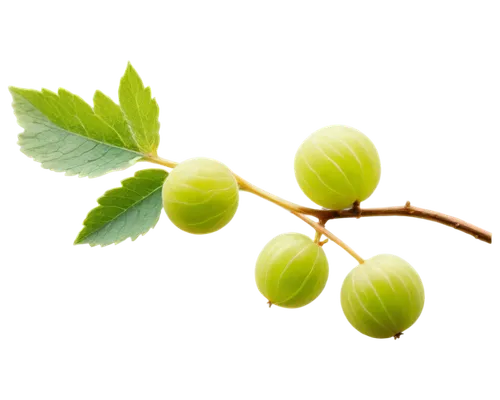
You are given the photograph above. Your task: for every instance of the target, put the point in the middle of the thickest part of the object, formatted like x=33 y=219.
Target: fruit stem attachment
x=335 y=238
x=317 y=237
x=407 y=210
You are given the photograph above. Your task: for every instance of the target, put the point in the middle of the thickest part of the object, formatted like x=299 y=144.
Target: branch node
x=408 y=207
x=356 y=209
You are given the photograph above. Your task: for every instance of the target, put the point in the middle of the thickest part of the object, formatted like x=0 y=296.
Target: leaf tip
x=13 y=88
x=96 y=93
x=129 y=65
x=76 y=244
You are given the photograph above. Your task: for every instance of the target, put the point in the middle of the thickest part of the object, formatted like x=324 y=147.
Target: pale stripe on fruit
x=224 y=178
x=202 y=190
x=361 y=169
x=386 y=277
x=304 y=281
x=214 y=216
x=406 y=288
x=268 y=265
x=412 y=279
x=395 y=326
x=351 y=309
x=419 y=284
x=289 y=263
x=368 y=152
x=171 y=200
x=363 y=306
x=352 y=152
x=319 y=178
x=337 y=166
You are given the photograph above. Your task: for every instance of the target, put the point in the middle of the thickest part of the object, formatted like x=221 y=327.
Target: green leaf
x=63 y=134
x=113 y=116
x=125 y=212
x=141 y=111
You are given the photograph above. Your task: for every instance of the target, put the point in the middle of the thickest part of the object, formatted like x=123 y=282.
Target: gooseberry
x=382 y=297
x=337 y=166
x=200 y=195
x=291 y=270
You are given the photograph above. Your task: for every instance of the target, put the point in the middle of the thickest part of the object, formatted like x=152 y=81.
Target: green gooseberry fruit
x=337 y=166
x=200 y=195
x=291 y=270
x=382 y=297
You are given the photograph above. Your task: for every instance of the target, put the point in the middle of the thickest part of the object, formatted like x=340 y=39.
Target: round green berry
x=382 y=297
x=291 y=270
x=200 y=195
x=337 y=166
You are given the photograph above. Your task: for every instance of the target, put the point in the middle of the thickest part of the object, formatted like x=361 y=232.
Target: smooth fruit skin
x=291 y=270
x=382 y=297
x=200 y=195
x=336 y=166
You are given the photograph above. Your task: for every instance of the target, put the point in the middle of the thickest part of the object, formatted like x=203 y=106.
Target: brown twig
x=410 y=211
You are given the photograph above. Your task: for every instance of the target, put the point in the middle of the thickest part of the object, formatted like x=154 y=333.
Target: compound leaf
x=63 y=134
x=125 y=212
x=140 y=108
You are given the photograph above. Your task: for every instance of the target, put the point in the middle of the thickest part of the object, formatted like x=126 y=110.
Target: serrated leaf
x=111 y=114
x=141 y=111
x=125 y=212
x=63 y=133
